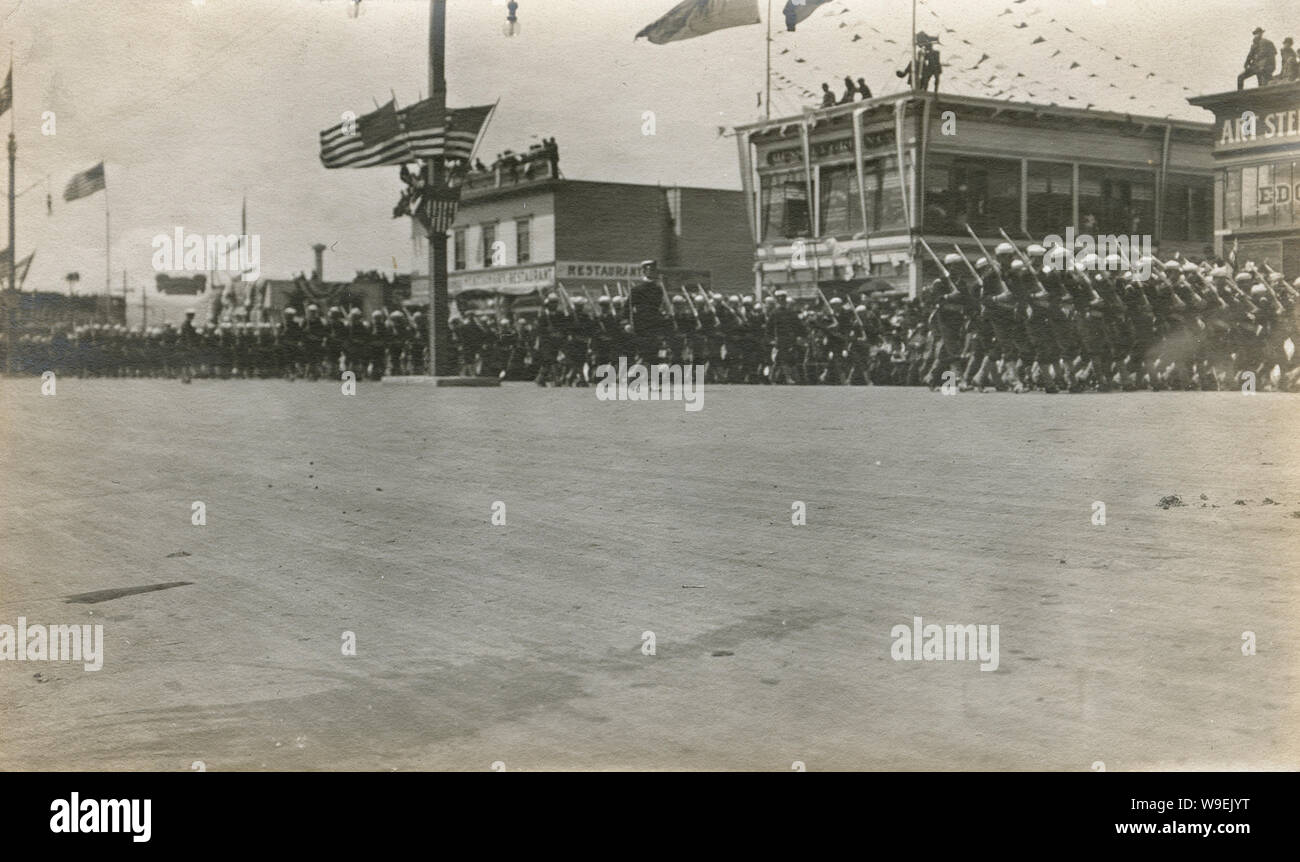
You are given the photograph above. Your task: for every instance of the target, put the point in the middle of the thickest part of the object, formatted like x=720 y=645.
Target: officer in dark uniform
x=314 y=334
x=189 y=346
x=552 y=329
x=785 y=328
x=645 y=313
x=577 y=350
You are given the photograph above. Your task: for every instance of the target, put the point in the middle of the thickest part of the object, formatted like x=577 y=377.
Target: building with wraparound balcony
x=839 y=197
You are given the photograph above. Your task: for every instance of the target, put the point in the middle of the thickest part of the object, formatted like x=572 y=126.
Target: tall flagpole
x=13 y=254
x=439 y=331
x=13 y=155
x=916 y=69
x=767 y=100
x=108 y=254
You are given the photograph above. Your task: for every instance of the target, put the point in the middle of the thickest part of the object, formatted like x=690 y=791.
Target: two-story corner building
x=838 y=196
x=1257 y=173
x=522 y=234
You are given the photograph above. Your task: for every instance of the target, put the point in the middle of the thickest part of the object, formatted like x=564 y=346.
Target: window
x=841 y=207
x=841 y=204
x=1188 y=211
x=884 y=195
x=489 y=240
x=1232 y=200
x=785 y=205
x=1263 y=196
x=1050 y=198
x=459 y=246
x=1116 y=201
x=965 y=190
x=524 y=240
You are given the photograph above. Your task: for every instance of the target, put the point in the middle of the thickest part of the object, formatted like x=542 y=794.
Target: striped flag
x=7 y=91
x=375 y=139
x=453 y=136
x=692 y=18
x=85 y=184
x=392 y=137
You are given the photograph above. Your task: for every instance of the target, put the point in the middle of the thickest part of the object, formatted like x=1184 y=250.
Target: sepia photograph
x=649 y=386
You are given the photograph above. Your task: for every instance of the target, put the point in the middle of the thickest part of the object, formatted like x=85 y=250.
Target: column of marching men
x=1035 y=319
x=307 y=345
x=1019 y=320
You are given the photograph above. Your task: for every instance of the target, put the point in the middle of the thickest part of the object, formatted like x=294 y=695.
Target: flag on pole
x=7 y=91
x=796 y=13
x=392 y=137
x=692 y=18
x=371 y=141
x=85 y=184
x=453 y=136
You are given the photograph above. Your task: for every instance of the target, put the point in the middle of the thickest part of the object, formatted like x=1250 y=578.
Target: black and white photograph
x=649 y=386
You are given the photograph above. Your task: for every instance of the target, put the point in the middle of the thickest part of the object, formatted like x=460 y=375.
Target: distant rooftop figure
x=1261 y=62
x=1290 y=62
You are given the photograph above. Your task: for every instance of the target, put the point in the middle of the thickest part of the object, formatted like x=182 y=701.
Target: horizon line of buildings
x=837 y=198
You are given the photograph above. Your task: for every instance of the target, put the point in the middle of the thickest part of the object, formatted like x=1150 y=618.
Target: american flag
x=85 y=183
x=392 y=137
x=441 y=210
x=452 y=136
x=373 y=140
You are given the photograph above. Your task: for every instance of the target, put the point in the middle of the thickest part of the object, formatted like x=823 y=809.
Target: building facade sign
x=1255 y=129
x=521 y=280
x=580 y=270
x=825 y=150
x=512 y=280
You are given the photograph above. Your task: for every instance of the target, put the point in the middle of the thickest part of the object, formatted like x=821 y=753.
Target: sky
x=195 y=106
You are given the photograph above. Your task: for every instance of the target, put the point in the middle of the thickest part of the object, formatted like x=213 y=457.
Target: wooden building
x=883 y=172
x=521 y=234
x=1257 y=173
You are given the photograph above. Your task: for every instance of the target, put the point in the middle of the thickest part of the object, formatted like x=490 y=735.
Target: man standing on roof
x=1260 y=62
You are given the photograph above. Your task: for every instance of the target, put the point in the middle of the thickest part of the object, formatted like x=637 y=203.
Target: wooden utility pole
x=439 y=329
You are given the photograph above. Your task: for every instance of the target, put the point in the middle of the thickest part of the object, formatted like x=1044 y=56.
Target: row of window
x=986 y=194
x=490 y=251
x=1263 y=196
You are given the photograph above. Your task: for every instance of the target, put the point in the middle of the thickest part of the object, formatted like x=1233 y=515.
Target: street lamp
x=511 y=27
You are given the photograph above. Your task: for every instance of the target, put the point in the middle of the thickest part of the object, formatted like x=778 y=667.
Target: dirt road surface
x=522 y=645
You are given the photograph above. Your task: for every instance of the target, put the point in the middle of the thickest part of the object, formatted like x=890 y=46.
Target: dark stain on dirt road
x=118 y=592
